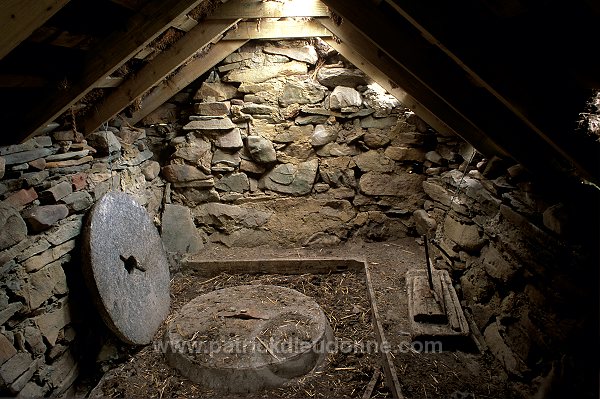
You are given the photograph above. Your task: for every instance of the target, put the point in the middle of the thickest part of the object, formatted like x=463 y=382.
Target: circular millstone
x=245 y=338
x=125 y=268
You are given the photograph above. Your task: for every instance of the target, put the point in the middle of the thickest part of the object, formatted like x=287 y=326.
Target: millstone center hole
x=130 y=263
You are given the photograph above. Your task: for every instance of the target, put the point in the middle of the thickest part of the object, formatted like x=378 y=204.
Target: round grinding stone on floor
x=245 y=338
x=125 y=268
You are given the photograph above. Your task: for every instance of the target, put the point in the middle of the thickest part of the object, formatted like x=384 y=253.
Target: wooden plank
x=371 y=385
x=210 y=268
x=377 y=74
x=155 y=71
x=19 y=18
x=396 y=79
x=109 y=82
x=145 y=52
x=558 y=143
x=143 y=27
x=391 y=377
x=272 y=29
x=426 y=308
x=270 y=9
x=455 y=326
x=185 y=23
x=183 y=77
x=457 y=319
x=442 y=76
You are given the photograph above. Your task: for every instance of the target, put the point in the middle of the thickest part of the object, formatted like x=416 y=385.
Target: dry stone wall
x=49 y=330
x=280 y=145
x=283 y=144
x=524 y=258
x=287 y=144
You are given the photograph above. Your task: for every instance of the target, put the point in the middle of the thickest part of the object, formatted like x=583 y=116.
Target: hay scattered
x=345 y=373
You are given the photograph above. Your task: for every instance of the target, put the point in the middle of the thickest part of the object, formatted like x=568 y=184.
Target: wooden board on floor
x=209 y=268
x=456 y=325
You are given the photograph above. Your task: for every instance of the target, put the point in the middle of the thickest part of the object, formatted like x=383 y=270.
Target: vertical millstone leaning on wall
x=48 y=184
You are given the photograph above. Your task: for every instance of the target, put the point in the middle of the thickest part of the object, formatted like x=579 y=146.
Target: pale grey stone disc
x=125 y=268
x=246 y=338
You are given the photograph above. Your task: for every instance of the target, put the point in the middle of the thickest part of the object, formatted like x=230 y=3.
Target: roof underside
x=510 y=77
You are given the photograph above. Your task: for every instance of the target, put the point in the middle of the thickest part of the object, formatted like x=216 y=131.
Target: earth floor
x=455 y=373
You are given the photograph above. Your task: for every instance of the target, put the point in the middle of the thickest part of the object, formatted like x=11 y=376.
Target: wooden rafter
x=185 y=23
x=183 y=77
x=268 y=29
x=106 y=57
x=273 y=29
x=375 y=73
x=270 y=9
x=431 y=67
x=19 y=18
x=155 y=71
x=563 y=144
x=359 y=50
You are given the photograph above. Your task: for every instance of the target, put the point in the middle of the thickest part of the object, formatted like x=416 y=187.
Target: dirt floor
x=456 y=373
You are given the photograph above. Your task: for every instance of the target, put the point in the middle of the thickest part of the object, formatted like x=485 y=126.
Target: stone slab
x=236 y=316
x=126 y=268
x=178 y=231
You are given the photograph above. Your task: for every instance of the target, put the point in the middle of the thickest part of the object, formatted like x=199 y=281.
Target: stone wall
x=290 y=144
x=287 y=144
x=524 y=256
x=283 y=144
x=49 y=329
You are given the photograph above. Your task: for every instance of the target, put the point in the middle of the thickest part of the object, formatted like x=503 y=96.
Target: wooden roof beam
x=143 y=27
x=270 y=9
x=442 y=76
x=183 y=77
x=372 y=71
x=19 y=18
x=545 y=126
x=359 y=50
x=266 y=29
x=155 y=71
x=273 y=29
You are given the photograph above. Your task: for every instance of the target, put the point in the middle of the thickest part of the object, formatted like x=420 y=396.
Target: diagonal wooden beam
x=566 y=147
x=372 y=71
x=183 y=77
x=403 y=43
x=155 y=71
x=270 y=9
x=273 y=29
x=19 y=18
x=143 y=27
x=359 y=50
